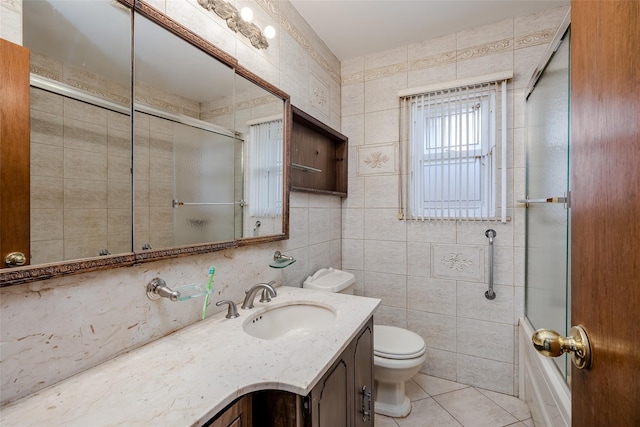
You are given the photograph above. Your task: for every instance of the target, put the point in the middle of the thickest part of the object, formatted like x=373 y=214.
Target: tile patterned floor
x=441 y=403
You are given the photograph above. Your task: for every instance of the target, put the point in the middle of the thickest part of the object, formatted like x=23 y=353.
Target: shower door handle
x=551 y=344
x=566 y=199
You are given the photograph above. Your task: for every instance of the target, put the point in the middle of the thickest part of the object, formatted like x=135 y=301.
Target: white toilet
x=398 y=353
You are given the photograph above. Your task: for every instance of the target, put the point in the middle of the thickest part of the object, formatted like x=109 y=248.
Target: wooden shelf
x=318 y=156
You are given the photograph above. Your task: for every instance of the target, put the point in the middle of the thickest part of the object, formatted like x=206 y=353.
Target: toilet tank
x=331 y=280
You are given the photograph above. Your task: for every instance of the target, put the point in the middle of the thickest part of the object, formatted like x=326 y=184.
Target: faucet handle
x=232 y=311
x=265 y=296
x=267 y=293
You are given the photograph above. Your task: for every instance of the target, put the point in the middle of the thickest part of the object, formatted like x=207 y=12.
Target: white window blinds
x=266 y=169
x=449 y=153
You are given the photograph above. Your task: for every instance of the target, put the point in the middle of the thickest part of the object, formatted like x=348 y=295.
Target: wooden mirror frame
x=26 y=274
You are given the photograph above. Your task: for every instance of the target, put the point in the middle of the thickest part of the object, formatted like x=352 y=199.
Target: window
x=451 y=148
x=266 y=169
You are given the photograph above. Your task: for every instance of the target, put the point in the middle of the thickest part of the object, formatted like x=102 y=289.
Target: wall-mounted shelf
x=318 y=156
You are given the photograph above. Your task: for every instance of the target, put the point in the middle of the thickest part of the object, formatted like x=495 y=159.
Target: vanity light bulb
x=246 y=14
x=269 y=32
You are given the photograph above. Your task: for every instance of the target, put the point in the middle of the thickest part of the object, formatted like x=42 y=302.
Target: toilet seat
x=390 y=342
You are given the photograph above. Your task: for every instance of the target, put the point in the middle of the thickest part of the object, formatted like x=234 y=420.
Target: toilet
x=398 y=354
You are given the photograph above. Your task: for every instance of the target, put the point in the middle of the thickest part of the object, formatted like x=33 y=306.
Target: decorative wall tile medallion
x=379 y=159
x=457 y=262
x=319 y=95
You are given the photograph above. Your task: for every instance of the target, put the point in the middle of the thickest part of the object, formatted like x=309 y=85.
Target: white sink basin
x=288 y=320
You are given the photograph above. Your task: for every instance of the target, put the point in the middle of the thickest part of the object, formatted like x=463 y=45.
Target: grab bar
x=490 y=294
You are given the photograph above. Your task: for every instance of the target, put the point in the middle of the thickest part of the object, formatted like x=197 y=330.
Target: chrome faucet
x=267 y=291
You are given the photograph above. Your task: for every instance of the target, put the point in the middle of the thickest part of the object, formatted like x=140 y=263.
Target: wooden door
x=605 y=210
x=14 y=151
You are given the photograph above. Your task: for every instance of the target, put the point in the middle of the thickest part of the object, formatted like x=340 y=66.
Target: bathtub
x=541 y=384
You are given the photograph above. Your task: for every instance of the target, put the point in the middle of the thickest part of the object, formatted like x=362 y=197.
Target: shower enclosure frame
x=544 y=384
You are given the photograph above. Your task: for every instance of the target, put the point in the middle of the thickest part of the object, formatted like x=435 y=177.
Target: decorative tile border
x=433 y=61
x=457 y=262
x=14 y=5
x=353 y=78
x=271 y=6
x=485 y=49
x=242 y=105
x=451 y=57
x=380 y=159
x=532 y=39
x=382 y=72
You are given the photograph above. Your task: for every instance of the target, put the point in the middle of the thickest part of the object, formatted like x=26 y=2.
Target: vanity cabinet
x=344 y=395
x=363 y=377
x=239 y=414
x=342 y=398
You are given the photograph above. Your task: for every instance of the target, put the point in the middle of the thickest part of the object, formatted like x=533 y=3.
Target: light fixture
x=240 y=22
x=269 y=32
x=246 y=14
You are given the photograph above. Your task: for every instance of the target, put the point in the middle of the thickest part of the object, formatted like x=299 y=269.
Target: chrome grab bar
x=490 y=294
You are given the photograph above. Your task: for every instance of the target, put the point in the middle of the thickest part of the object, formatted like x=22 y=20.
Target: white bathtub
x=541 y=384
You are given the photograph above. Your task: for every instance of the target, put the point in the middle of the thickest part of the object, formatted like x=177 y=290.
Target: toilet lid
x=391 y=342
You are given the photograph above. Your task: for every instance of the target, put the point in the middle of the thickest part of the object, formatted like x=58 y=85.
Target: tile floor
x=441 y=403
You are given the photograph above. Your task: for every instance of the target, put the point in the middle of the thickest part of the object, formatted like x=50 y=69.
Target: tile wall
x=52 y=329
x=412 y=266
x=80 y=179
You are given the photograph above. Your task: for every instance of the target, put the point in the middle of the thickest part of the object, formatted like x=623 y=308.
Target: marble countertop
x=187 y=377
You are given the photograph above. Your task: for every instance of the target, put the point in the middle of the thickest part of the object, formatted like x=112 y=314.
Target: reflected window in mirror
x=80 y=128
x=265 y=176
x=259 y=116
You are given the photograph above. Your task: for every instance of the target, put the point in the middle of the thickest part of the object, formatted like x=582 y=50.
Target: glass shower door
x=547 y=286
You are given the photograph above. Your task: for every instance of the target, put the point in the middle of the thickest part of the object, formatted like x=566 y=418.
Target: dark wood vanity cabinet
x=344 y=395
x=239 y=414
x=363 y=377
x=342 y=398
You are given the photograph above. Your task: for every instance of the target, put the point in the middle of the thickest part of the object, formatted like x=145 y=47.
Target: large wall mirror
x=174 y=149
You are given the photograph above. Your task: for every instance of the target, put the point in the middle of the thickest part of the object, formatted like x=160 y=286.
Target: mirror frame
x=26 y=274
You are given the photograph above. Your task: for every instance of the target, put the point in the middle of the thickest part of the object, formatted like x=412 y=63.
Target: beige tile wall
x=53 y=329
x=80 y=179
x=409 y=265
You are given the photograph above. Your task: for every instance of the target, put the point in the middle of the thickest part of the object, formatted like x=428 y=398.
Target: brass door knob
x=551 y=344
x=15 y=259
